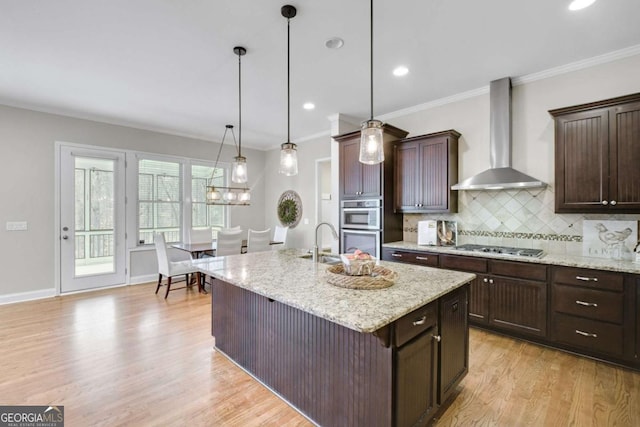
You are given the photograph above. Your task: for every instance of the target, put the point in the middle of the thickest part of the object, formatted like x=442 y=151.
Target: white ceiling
x=169 y=65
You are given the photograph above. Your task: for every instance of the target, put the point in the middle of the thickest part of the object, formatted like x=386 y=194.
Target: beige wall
x=27 y=141
x=304 y=184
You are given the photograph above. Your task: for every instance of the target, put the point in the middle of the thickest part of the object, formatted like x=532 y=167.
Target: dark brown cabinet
x=422 y=258
x=637 y=286
x=360 y=181
x=416 y=364
x=506 y=295
x=589 y=311
x=454 y=342
x=426 y=167
x=597 y=153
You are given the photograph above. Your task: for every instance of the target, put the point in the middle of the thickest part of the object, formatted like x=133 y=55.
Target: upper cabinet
x=360 y=181
x=597 y=155
x=426 y=167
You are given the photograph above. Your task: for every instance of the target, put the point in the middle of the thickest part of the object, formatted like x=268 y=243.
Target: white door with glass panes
x=92 y=218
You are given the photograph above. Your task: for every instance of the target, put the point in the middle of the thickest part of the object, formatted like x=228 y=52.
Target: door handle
x=65 y=237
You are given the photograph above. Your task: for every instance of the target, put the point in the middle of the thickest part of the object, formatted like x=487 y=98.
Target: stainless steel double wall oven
x=361 y=226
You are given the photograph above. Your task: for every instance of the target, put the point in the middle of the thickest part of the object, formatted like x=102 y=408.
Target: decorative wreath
x=289 y=209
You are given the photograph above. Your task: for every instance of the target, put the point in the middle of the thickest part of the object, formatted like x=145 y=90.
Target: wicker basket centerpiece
x=358 y=263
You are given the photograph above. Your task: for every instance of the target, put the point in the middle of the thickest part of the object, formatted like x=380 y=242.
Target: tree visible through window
x=159 y=200
x=203 y=215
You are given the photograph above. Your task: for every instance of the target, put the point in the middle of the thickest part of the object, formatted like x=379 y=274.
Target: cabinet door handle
x=438 y=338
x=586 y=334
x=587 y=279
x=485 y=280
x=420 y=321
x=605 y=203
x=491 y=281
x=586 y=304
x=422 y=258
x=396 y=255
x=613 y=203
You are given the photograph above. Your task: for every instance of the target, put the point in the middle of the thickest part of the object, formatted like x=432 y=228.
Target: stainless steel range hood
x=501 y=175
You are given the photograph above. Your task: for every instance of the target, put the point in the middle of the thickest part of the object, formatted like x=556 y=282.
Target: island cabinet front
x=337 y=376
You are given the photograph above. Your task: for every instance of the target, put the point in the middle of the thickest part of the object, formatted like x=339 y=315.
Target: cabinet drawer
x=454 y=262
x=588 y=334
x=421 y=258
x=589 y=278
x=521 y=270
x=409 y=326
x=591 y=303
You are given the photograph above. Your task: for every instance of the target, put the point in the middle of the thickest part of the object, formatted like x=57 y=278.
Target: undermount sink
x=330 y=259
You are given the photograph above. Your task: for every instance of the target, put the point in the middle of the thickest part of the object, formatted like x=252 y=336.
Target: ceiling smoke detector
x=334 y=43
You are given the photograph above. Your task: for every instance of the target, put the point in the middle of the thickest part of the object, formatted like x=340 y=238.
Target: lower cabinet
x=591 y=311
x=454 y=341
x=637 y=353
x=421 y=258
x=506 y=295
x=431 y=357
x=416 y=379
x=586 y=311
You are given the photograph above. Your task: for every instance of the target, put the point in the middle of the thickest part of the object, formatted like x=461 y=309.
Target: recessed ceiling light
x=400 y=71
x=309 y=106
x=334 y=43
x=580 y=4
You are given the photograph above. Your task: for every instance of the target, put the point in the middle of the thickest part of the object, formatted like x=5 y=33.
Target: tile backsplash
x=521 y=218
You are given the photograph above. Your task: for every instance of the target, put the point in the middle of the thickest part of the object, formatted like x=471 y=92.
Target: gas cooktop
x=503 y=250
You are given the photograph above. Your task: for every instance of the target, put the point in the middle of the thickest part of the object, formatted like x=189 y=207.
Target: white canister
x=427 y=232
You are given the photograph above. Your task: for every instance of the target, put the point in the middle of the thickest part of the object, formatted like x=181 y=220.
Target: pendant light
x=217 y=195
x=239 y=169
x=288 y=150
x=371 y=148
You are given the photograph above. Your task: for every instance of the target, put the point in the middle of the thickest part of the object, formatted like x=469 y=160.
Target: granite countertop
x=285 y=277
x=550 y=259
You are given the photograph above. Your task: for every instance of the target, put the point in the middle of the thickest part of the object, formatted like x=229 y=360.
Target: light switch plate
x=16 y=225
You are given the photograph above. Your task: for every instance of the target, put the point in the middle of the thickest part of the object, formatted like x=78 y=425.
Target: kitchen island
x=385 y=357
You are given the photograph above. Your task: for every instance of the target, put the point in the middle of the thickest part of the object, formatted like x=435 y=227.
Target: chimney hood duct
x=501 y=175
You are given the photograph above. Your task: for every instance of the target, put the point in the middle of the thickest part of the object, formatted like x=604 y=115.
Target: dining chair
x=258 y=241
x=201 y=235
x=169 y=268
x=229 y=243
x=280 y=235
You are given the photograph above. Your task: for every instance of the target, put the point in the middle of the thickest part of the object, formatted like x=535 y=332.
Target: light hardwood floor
x=125 y=356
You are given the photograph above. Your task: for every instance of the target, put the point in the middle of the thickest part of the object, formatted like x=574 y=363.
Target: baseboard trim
x=27 y=296
x=138 y=280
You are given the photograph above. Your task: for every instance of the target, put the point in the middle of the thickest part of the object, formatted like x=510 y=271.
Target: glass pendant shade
x=289 y=159
x=245 y=196
x=213 y=194
x=371 y=147
x=239 y=170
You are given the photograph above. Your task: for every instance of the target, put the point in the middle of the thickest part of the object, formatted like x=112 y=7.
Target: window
x=203 y=215
x=159 y=200
x=93 y=210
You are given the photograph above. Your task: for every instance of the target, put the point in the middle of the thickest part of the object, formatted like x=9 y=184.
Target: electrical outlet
x=16 y=225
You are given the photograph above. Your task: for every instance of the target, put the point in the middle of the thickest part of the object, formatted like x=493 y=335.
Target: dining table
x=199 y=250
